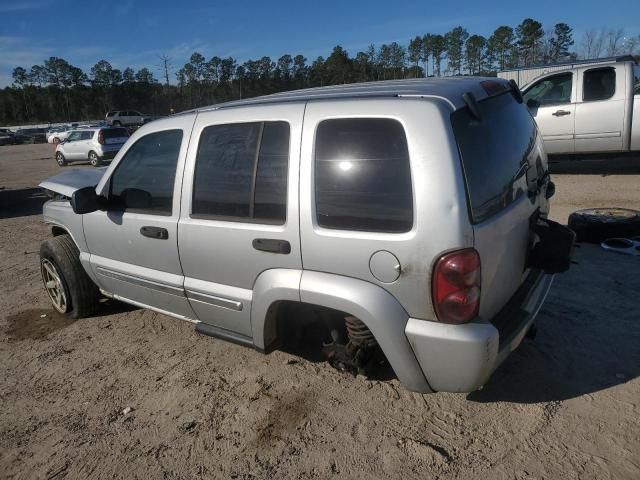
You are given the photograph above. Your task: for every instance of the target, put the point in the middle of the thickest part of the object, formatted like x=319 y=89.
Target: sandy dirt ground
x=564 y=406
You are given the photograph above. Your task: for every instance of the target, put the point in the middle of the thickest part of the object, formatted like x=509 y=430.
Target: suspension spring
x=359 y=334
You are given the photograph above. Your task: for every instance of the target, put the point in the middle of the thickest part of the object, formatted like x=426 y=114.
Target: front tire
x=60 y=159
x=94 y=160
x=70 y=289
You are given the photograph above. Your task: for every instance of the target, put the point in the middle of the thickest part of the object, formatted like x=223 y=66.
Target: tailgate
x=505 y=171
x=503 y=243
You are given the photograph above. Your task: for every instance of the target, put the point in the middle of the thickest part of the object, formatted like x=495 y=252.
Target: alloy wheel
x=54 y=286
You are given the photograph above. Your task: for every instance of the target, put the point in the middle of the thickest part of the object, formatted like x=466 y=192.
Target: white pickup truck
x=587 y=107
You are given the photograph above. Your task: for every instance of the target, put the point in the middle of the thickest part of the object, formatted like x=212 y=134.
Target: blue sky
x=134 y=33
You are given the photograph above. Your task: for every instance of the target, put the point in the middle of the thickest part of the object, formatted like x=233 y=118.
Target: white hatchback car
x=94 y=145
x=57 y=136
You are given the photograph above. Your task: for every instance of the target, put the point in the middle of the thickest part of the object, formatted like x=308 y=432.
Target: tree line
x=59 y=91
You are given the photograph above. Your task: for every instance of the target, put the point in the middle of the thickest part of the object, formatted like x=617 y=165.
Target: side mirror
x=85 y=200
x=533 y=104
x=136 y=198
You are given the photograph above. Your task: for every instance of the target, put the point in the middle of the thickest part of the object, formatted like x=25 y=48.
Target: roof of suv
x=449 y=89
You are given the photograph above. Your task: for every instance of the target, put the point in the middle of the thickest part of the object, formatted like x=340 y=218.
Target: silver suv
x=124 y=118
x=95 y=145
x=408 y=218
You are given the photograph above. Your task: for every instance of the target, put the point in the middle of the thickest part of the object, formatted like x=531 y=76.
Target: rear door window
x=495 y=153
x=599 y=84
x=241 y=172
x=86 y=135
x=363 y=176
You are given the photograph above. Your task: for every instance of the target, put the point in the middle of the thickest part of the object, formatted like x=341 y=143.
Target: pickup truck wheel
x=595 y=225
x=94 y=160
x=69 y=287
x=60 y=159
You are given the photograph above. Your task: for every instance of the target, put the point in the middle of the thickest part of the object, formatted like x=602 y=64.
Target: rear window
x=493 y=152
x=362 y=176
x=115 y=132
x=599 y=84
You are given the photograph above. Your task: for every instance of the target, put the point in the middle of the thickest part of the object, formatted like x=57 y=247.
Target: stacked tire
x=594 y=225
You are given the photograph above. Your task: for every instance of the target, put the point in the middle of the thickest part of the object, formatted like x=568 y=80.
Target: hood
x=69 y=181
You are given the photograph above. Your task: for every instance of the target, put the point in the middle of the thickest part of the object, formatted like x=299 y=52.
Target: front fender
x=58 y=213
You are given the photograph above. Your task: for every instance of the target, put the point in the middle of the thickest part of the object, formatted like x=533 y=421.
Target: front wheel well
x=57 y=231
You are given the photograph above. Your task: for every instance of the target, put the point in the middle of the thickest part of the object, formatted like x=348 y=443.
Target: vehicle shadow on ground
x=110 y=307
x=588 y=335
x=624 y=165
x=21 y=203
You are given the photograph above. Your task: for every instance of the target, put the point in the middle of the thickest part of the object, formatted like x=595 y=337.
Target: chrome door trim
x=216 y=301
x=161 y=287
x=597 y=135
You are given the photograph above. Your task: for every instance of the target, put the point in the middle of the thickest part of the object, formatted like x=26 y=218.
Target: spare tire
x=595 y=225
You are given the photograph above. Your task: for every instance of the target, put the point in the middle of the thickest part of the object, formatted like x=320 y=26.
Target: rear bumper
x=461 y=358
x=108 y=153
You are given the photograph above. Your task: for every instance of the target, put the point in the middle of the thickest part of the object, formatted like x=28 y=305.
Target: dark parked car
x=7 y=137
x=31 y=135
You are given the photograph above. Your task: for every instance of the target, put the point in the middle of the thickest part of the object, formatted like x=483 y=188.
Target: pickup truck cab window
x=599 y=84
x=551 y=90
x=144 y=178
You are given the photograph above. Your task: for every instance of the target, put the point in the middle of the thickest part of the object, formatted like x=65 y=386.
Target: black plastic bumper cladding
x=510 y=318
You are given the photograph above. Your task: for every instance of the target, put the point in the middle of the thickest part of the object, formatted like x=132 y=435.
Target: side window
x=552 y=90
x=241 y=172
x=73 y=136
x=86 y=135
x=144 y=178
x=599 y=84
x=636 y=79
x=363 y=176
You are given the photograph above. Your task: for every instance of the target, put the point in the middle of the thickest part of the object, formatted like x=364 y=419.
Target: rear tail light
x=456 y=286
x=101 y=137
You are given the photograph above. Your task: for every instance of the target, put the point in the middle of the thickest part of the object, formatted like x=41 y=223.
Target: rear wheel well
x=319 y=333
x=286 y=319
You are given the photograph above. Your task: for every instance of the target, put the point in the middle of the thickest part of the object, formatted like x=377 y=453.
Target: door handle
x=561 y=113
x=155 y=232
x=272 y=245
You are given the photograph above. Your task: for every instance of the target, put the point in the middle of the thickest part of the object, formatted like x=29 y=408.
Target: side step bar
x=222 y=334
